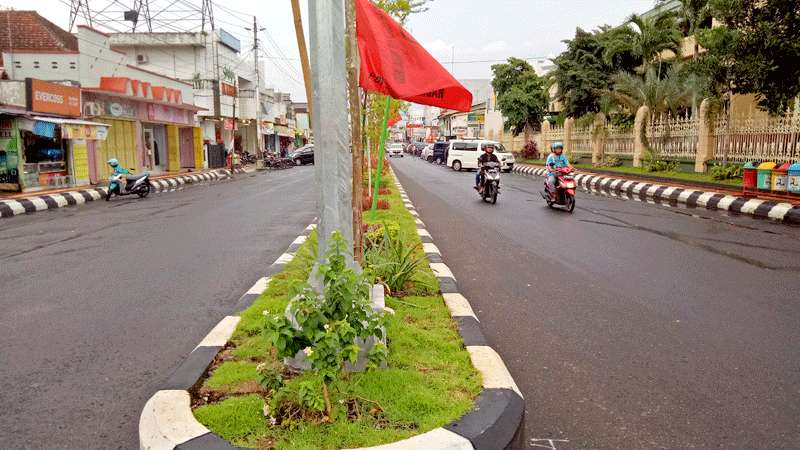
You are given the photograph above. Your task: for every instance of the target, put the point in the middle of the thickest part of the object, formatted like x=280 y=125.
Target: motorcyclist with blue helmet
x=118 y=170
x=555 y=160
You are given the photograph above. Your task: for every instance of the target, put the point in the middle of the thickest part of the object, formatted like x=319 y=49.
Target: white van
x=463 y=154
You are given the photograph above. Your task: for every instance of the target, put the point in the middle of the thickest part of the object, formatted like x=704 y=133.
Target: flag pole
x=381 y=150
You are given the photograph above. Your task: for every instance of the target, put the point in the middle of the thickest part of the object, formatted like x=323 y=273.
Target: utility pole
x=233 y=127
x=301 y=46
x=355 y=127
x=259 y=143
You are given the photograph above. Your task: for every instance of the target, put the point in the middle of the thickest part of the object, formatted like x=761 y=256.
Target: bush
x=366 y=203
x=391 y=261
x=530 y=151
x=726 y=172
x=611 y=161
x=661 y=166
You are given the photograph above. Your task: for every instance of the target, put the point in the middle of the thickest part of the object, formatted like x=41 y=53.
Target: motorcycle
x=564 y=192
x=491 y=182
x=138 y=184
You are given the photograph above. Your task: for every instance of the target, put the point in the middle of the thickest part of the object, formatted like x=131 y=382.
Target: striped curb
x=166 y=421
x=36 y=203
x=662 y=194
x=496 y=421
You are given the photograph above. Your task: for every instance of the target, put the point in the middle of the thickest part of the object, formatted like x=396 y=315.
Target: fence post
x=639 y=134
x=598 y=138
x=544 y=150
x=569 y=124
x=706 y=142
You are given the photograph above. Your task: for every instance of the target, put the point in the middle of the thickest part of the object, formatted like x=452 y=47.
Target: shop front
x=9 y=152
x=150 y=130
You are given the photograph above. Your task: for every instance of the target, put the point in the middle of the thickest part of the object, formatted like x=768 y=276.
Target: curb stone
x=166 y=421
x=693 y=198
x=36 y=203
x=496 y=421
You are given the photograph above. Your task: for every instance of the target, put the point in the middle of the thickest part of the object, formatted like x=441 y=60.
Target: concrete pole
x=569 y=125
x=640 y=135
x=544 y=145
x=598 y=138
x=333 y=163
x=706 y=141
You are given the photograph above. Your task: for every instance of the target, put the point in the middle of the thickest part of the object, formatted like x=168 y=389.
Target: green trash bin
x=794 y=178
x=765 y=176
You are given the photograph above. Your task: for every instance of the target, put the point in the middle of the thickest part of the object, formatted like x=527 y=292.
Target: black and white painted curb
x=36 y=203
x=657 y=193
x=167 y=421
x=496 y=422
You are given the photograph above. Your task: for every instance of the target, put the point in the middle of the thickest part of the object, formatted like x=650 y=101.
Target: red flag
x=394 y=120
x=393 y=63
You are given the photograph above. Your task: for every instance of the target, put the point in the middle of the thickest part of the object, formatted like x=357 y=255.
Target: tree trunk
x=355 y=129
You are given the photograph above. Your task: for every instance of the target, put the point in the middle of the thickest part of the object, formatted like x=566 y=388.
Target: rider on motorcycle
x=117 y=168
x=555 y=160
x=487 y=156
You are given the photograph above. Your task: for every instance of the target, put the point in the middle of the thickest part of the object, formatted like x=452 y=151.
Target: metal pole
x=333 y=162
x=381 y=149
x=259 y=142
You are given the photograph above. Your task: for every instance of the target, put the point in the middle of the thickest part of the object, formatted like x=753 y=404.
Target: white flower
x=273 y=421
x=308 y=351
x=261 y=367
x=265 y=410
x=327 y=327
x=265 y=312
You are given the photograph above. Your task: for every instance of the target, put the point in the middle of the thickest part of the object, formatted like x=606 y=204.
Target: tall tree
x=755 y=51
x=580 y=73
x=646 y=37
x=660 y=94
x=692 y=16
x=521 y=94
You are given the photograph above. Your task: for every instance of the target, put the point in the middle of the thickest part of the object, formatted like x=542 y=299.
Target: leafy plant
x=269 y=378
x=610 y=161
x=392 y=261
x=521 y=95
x=530 y=151
x=726 y=172
x=326 y=327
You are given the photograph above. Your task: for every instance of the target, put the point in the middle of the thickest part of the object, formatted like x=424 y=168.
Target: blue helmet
x=113 y=162
x=557 y=145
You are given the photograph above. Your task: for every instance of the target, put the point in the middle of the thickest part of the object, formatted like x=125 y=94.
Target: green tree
x=401 y=9
x=692 y=16
x=756 y=51
x=646 y=37
x=580 y=73
x=521 y=94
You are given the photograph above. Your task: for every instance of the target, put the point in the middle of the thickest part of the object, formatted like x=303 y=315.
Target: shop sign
x=229 y=90
x=268 y=128
x=110 y=108
x=52 y=98
x=6 y=128
x=81 y=131
x=476 y=117
x=163 y=113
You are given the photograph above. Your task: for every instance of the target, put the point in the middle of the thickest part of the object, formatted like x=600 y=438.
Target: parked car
x=426 y=152
x=303 y=155
x=395 y=149
x=463 y=154
x=440 y=150
x=417 y=148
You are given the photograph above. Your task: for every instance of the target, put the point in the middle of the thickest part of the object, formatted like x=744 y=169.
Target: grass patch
x=430 y=380
x=682 y=176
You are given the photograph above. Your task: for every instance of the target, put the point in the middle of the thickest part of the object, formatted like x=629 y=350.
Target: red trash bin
x=749 y=178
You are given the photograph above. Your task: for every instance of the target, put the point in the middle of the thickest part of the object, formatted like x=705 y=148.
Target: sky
x=467 y=36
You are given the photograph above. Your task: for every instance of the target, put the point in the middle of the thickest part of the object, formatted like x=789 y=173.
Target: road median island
x=434 y=392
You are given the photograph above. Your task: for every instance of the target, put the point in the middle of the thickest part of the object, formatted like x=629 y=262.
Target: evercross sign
x=52 y=98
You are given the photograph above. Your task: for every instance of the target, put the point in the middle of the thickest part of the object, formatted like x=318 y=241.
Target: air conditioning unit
x=142 y=59
x=91 y=109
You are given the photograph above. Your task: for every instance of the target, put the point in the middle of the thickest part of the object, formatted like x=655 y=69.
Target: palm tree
x=661 y=94
x=646 y=37
x=691 y=16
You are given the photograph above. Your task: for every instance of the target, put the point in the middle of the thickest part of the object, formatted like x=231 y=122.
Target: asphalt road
x=627 y=325
x=100 y=303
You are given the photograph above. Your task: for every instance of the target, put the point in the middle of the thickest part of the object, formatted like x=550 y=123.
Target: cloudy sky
x=472 y=34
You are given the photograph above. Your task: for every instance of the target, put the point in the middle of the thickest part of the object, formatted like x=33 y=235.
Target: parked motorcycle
x=491 y=182
x=134 y=184
x=564 y=192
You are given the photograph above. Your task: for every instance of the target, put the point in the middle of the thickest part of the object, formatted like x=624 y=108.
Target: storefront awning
x=284 y=131
x=70 y=128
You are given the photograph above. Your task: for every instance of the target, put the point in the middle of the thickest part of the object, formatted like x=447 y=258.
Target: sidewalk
x=687 y=193
x=22 y=203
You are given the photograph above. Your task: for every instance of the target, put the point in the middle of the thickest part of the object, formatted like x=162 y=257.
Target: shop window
x=45 y=160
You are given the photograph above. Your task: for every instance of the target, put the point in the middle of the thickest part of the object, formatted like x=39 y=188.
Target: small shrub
x=392 y=261
x=611 y=161
x=530 y=151
x=384 y=191
x=661 y=166
x=383 y=204
x=366 y=202
x=726 y=172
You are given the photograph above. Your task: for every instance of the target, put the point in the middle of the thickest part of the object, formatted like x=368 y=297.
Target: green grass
x=531 y=161
x=429 y=381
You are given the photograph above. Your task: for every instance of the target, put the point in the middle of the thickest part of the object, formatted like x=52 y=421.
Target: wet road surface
x=627 y=325
x=101 y=302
